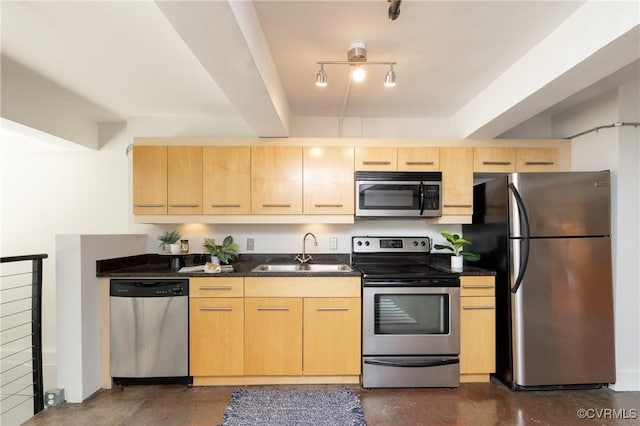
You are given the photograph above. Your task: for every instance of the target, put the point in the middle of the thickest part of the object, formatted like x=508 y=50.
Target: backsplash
x=288 y=238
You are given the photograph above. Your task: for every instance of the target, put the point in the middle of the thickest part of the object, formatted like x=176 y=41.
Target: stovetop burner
x=394 y=258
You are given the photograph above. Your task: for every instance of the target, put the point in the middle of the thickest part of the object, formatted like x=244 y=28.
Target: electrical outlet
x=250 y=244
x=333 y=243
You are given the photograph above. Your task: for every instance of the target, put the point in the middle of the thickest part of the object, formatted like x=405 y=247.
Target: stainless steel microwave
x=398 y=194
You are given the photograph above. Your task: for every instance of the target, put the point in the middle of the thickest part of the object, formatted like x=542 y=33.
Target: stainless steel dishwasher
x=149 y=330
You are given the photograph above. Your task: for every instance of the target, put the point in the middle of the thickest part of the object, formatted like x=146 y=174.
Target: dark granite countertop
x=442 y=262
x=159 y=265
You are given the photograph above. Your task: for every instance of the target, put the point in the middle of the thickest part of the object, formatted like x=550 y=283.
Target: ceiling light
x=390 y=78
x=321 y=78
x=357 y=58
x=358 y=74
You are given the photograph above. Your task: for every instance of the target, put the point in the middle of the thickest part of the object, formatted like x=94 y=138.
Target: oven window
x=411 y=314
x=397 y=197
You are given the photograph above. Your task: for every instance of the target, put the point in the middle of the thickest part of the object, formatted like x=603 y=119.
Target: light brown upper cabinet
x=149 y=179
x=494 y=160
x=536 y=159
x=328 y=180
x=418 y=159
x=276 y=180
x=226 y=180
x=376 y=158
x=184 y=179
x=457 y=181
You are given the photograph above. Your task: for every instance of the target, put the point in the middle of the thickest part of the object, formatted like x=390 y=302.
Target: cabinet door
x=331 y=336
x=328 y=180
x=273 y=336
x=276 y=180
x=184 y=183
x=477 y=335
x=494 y=160
x=457 y=180
x=226 y=180
x=536 y=159
x=376 y=158
x=216 y=332
x=418 y=159
x=149 y=179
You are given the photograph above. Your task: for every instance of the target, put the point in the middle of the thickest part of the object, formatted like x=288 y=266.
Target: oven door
x=392 y=198
x=413 y=321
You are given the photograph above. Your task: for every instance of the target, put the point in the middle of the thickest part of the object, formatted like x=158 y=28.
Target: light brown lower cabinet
x=331 y=336
x=216 y=331
x=477 y=328
x=273 y=336
x=275 y=330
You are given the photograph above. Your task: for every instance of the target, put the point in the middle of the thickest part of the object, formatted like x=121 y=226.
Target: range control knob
x=366 y=243
x=423 y=244
x=359 y=243
x=415 y=243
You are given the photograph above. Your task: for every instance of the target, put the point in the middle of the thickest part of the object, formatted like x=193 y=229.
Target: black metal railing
x=21 y=332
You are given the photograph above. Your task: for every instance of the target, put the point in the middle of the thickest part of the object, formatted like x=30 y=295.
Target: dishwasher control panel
x=149 y=288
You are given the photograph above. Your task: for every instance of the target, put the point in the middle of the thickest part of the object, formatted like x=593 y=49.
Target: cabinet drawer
x=302 y=287
x=216 y=287
x=481 y=285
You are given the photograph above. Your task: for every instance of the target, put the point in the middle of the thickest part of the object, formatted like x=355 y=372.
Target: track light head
x=321 y=77
x=390 y=78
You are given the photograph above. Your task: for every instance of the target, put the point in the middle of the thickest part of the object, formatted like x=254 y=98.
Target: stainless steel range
x=411 y=315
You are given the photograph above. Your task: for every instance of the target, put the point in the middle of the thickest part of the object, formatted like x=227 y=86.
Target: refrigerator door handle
x=524 y=241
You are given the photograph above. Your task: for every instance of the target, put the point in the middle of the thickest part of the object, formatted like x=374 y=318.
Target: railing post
x=36 y=338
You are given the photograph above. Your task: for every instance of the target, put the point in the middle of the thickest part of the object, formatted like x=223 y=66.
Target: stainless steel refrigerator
x=547 y=236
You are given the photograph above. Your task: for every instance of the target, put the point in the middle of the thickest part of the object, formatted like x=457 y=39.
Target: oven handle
x=390 y=363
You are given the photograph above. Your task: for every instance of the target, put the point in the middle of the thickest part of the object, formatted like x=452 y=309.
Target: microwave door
x=375 y=198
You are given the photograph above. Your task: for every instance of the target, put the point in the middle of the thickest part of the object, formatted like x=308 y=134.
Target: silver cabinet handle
x=496 y=163
x=264 y=308
x=328 y=205
x=539 y=163
x=183 y=205
x=458 y=205
x=470 y=308
x=478 y=286
x=419 y=163
x=276 y=205
x=376 y=163
x=225 y=205
x=148 y=205
x=216 y=309
x=333 y=309
x=215 y=287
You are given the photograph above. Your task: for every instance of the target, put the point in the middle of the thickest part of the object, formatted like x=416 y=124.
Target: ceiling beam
x=597 y=40
x=226 y=41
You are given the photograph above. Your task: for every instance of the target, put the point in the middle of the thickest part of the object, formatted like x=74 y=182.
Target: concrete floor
x=470 y=404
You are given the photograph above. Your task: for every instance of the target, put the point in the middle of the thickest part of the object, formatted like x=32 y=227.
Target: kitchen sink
x=314 y=267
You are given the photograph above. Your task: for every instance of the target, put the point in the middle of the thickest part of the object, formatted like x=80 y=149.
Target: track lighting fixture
x=357 y=58
x=321 y=78
x=390 y=78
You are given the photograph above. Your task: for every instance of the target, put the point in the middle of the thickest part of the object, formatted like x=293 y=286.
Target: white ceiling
x=255 y=62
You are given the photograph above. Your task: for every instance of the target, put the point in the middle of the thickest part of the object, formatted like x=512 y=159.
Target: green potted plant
x=460 y=248
x=169 y=238
x=224 y=253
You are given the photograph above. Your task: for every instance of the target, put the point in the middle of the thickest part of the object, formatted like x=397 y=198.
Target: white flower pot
x=214 y=259
x=456 y=263
x=174 y=248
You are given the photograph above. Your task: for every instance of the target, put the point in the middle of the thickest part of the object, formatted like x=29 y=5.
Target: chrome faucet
x=304 y=257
